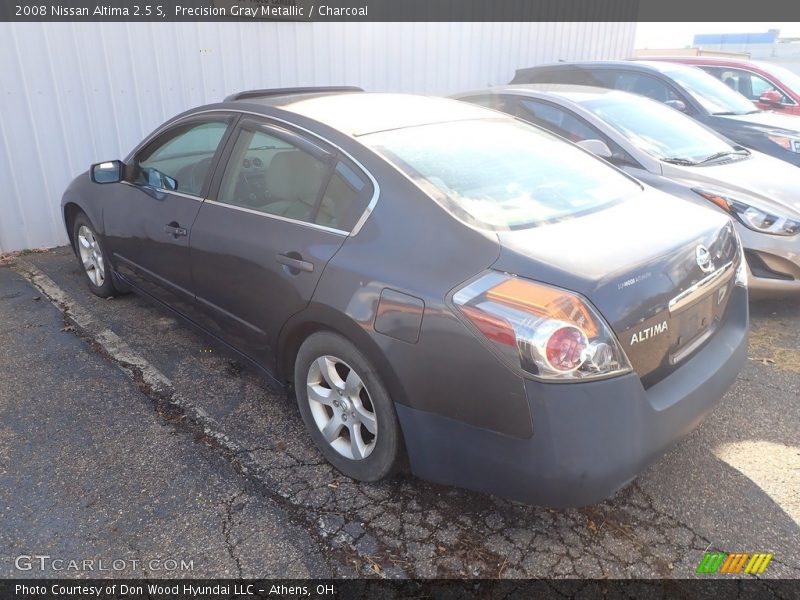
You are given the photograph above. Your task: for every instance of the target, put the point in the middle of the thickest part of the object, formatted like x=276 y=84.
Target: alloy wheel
x=341 y=407
x=91 y=256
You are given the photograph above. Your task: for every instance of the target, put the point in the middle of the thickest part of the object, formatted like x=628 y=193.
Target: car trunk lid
x=659 y=269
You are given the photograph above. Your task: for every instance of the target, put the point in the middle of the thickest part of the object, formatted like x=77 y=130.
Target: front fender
x=82 y=194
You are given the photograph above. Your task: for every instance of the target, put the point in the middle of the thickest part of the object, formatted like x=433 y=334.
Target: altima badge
x=649 y=332
x=703 y=257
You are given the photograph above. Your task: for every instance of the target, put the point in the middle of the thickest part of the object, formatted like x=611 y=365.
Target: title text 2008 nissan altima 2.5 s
x=436 y=280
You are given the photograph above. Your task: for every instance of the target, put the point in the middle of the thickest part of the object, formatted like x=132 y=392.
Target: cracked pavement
x=218 y=467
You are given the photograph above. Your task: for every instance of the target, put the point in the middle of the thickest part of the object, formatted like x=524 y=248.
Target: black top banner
x=400 y=10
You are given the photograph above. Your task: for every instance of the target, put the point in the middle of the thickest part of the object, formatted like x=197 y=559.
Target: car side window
x=569 y=77
x=345 y=198
x=759 y=85
x=644 y=85
x=180 y=159
x=273 y=176
x=493 y=101
x=557 y=120
x=567 y=125
x=748 y=84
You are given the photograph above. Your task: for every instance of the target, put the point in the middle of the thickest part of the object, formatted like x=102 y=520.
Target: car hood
x=770 y=181
x=764 y=119
x=631 y=260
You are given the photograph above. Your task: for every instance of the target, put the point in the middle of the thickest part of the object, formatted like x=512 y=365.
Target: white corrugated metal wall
x=76 y=93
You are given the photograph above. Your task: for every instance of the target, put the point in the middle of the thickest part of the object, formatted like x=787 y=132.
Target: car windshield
x=502 y=173
x=787 y=77
x=716 y=97
x=660 y=131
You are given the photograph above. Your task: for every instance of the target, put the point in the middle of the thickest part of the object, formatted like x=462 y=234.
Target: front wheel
x=92 y=257
x=346 y=408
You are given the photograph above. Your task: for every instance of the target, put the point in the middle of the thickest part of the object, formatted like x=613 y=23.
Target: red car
x=769 y=86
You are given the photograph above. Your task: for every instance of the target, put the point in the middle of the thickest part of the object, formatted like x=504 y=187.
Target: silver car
x=670 y=151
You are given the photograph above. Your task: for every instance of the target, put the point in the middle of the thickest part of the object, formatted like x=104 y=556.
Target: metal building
x=768 y=46
x=76 y=93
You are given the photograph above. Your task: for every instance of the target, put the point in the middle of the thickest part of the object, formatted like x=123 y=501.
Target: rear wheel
x=346 y=408
x=92 y=257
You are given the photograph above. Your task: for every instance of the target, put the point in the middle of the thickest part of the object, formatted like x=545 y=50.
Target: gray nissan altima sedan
x=668 y=150
x=435 y=280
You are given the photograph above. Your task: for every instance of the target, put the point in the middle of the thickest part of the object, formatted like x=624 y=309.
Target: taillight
x=565 y=348
x=549 y=332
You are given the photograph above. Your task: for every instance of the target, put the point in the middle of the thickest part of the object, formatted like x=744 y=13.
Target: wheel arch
x=80 y=197
x=323 y=318
x=71 y=210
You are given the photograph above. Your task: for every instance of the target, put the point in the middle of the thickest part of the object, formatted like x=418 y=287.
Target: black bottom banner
x=253 y=589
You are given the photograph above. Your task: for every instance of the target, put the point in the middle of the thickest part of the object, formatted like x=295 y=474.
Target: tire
x=348 y=402
x=92 y=257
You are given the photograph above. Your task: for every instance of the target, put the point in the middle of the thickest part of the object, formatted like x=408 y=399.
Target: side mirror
x=771 y=97
x=107 y=172
x=596 y=147
x=169 y=183
x=676 y=104
x=159 y=180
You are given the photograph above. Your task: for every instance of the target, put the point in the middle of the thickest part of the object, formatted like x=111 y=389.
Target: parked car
x=767 y=85
x=689 y=90
x=433 y=278
x=676 y=154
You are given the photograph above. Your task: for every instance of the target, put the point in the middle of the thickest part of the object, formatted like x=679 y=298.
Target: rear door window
x=572 y=76
x=557 y=120
x=493 y=101
x=644 y=85
x=570 y=126
x=268 y=173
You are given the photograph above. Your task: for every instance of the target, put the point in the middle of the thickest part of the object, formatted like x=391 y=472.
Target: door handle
x=175 y=230
x=294 y=261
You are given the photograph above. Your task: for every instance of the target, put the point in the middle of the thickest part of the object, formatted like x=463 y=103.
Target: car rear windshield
x=501 y=173
x=716 y=97
x=660 y=131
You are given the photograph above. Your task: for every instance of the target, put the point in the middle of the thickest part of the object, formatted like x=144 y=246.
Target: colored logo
x=731 y=564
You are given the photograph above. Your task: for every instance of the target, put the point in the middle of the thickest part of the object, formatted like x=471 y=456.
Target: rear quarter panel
x=410 y=245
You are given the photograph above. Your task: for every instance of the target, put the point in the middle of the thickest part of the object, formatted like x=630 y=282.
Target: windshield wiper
x=676 y=160
x=718 y=155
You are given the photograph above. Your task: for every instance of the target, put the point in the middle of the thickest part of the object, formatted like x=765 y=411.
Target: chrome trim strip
x=278 y=217
x=162 y=190
x=695 y=292
x=375 y=187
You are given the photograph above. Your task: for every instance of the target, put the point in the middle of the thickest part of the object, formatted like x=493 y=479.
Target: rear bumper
x=589 y=439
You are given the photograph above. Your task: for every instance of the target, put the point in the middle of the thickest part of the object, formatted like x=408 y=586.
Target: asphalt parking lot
x=123 y=433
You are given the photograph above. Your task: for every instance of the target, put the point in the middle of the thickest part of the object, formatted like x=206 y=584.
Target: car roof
x=722 y=61
x=564 y=90
x=637 y=65
x=702 y=60
x=361 y=113
x=567 y=95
